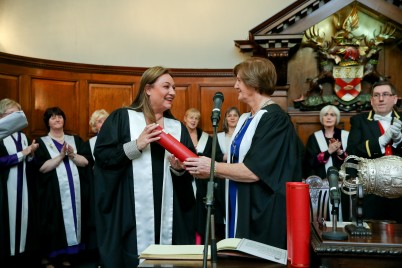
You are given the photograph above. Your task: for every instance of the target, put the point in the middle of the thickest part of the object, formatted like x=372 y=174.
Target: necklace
x=59 y=139
x=266 y=103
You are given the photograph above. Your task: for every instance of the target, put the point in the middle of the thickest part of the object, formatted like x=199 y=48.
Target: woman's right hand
x=148 y=135
x=334 y=146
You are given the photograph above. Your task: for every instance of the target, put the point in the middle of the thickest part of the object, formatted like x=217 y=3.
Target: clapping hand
x=30 y=150
x=396 y=128
x=334 y=146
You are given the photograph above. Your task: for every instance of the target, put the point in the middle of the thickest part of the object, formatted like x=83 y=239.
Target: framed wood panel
x=52 y=93
x=9 y=87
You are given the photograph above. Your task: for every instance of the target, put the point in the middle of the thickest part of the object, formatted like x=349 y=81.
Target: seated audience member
x=265 y=154
x=375 y=134
x=326 y=148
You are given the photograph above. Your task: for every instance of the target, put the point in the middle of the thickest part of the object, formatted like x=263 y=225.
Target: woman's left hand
x=175 y=163
x=70 y=151
x=199 y=167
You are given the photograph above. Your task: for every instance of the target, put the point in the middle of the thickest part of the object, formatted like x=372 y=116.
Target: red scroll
x=298 y=223
x=174 y=146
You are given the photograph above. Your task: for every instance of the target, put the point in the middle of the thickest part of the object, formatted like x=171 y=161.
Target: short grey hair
x=325 y=109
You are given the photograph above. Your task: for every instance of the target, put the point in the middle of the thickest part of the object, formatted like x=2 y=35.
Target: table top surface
x=386 y=240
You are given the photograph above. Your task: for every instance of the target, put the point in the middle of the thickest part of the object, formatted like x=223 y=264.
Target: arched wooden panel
x=51 y=93
x=9 y=87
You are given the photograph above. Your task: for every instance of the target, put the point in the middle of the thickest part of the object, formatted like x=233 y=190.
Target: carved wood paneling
x=306 y=123
x=51 y=93
x=79 y=92
x=182 y=101
x=109 y=97
x=9 y=87
x=80 y=89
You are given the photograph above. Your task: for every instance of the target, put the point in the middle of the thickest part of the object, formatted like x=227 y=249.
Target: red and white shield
x=347 y=81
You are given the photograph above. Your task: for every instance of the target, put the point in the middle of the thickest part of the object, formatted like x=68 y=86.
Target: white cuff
x=131 y=150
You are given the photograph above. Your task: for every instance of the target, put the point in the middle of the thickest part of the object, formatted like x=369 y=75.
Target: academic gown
x=7 y=161
x=363 y=142
x=319 y=169
x=313 y=149
x=275 y=156
x=87 y=152
x=115 y=200
x=202 y=186
x=53 y=233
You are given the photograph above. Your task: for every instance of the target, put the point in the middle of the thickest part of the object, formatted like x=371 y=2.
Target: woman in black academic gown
x=265 y=154
x=17 y=195
x=96 y=121
x=143 y=194
x=202 y=142
x=62 y=191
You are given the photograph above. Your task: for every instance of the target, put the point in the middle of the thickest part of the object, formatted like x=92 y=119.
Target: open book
x=225 y=247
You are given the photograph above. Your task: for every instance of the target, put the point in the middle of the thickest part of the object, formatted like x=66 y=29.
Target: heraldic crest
x=347 y=62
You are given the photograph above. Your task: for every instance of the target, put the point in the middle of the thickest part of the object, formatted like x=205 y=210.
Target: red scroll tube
x=298 y=223
x=173 y=146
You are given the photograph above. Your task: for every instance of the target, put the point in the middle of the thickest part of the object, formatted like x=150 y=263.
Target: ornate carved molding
x=287 y=27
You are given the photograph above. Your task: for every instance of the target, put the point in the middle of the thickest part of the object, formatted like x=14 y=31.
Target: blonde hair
x=6 y=104
x=192 y=111
x=98 y=114
x=325 y=109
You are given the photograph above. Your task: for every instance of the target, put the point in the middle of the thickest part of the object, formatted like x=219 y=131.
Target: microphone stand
x=209 y=202
x=334 y=234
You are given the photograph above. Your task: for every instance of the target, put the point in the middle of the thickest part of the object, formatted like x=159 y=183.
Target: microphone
x=335 y=196
x=216 y=111
x=334 y=193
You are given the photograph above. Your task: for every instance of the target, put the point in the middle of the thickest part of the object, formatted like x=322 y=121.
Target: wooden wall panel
x=109 y=97
x=181 y=102
x=9 y=87
x=206 y=94
x=51 y=93
x=80 y=89
x=306 y=123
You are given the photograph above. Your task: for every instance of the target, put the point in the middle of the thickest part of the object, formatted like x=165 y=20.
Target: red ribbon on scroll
x=298 y=223
x=173 y=146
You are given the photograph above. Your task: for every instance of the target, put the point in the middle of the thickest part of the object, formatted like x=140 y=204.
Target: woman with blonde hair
x=16 y=192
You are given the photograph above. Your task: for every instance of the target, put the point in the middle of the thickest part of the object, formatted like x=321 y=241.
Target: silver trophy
x=381 y=176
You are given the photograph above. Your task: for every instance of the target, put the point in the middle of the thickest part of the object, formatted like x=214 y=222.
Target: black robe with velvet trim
x=275 y=156
x=114 y=194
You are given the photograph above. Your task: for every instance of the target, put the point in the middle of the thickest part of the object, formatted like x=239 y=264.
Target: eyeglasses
x=384 y=95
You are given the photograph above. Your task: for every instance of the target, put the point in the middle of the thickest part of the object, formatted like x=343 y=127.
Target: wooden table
x=221 y=263
x=383 y=249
